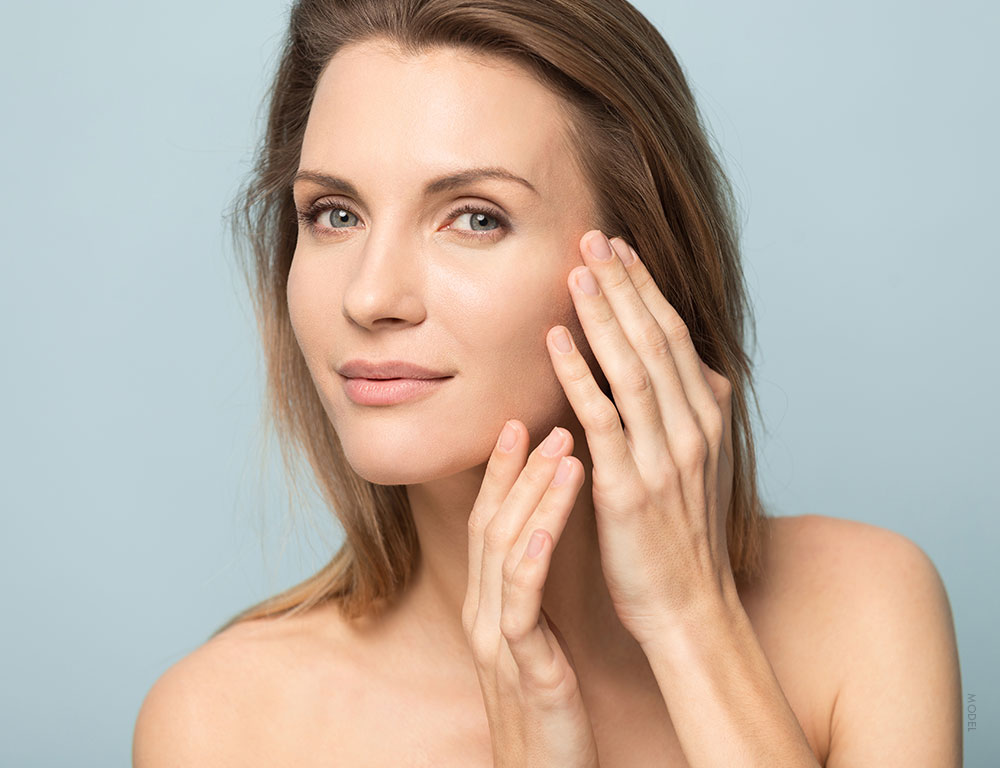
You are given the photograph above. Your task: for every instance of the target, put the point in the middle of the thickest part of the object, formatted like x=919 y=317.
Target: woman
x=437 y=186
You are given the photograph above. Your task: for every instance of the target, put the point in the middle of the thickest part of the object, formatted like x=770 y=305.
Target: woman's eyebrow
x=434 y=186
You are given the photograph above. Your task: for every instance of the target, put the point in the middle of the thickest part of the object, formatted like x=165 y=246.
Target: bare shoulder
x=878 y=621
x=224 y=703
x=835 y=541
x=832 y=561
x=844 y=572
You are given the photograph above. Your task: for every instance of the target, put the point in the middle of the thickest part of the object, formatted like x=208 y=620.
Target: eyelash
x=308 y=216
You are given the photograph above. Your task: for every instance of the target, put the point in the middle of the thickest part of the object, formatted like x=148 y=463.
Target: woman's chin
x=413 y=466
x=386 y=469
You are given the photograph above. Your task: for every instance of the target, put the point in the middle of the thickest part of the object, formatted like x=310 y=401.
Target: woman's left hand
x=661 y=484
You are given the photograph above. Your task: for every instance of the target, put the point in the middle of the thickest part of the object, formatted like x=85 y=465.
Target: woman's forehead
x=436 y=111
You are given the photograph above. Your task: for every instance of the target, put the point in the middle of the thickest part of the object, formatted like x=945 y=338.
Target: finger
x=502 y=472
x=635 y=395
x=519 y=621
x=532 y=644
x=687 y=361
x=551 y=515
x=707 y=391
x=594 y=410
x=635 y=353
x=505 y=526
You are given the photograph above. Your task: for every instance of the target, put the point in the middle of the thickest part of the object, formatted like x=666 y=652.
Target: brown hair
x=640 y=142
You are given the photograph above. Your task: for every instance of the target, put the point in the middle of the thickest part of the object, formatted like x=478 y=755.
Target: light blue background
x=861 y=137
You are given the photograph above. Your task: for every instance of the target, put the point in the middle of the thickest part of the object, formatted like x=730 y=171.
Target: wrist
x=715 y=611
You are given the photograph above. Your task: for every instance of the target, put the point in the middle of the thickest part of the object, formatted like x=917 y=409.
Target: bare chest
x=360 y=720
x=399 y=732
x=334 y=714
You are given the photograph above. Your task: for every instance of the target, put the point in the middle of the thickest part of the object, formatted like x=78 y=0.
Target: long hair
x=639 y=140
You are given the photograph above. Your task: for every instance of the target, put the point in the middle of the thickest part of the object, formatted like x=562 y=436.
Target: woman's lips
x=389 y=391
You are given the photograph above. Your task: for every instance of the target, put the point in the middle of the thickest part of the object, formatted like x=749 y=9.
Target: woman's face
x=392 y=272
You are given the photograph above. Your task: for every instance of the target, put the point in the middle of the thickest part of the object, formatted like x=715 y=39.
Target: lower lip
x=388 y=391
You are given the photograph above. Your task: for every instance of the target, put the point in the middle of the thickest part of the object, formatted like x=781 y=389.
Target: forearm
x=724 y=701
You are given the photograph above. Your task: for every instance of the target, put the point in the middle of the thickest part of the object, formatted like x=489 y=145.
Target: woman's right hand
x=533 y=703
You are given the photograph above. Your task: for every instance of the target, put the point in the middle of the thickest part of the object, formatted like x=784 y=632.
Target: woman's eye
x=321 y=217
x=333 y=217
x=479 y=221
x=326 y=216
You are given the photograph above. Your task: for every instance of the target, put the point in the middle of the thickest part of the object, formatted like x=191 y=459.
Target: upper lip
x=387 y=369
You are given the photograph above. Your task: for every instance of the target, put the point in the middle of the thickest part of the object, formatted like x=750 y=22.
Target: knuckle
x=512 y=628
x=509 y=570
x=653 y=341
x=521 y=577
x=604 y=418
x=555 y=684
x=578 y=374
x=637 y=380
x=714 y=425
x=695 y=447
x=644 y=282
x=618 y=281
x=679 y=332
x=483 y=642
x=496 y=534
x=693 y=453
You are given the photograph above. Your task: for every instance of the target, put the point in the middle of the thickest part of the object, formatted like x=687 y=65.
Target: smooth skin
x=396 y=274
x=853 y=619
x=662 y=451
x=533 y=701
x=532 y=696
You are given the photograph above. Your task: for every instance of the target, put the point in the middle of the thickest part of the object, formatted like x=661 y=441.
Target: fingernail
x=600 y=247
x=562 y=341
x=508 y=437
x=628 y=253
x=535 y=543
x=585 y=279
x=552 y=443
x=563 y=472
